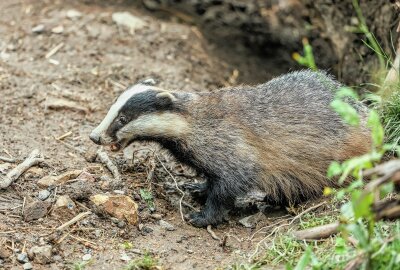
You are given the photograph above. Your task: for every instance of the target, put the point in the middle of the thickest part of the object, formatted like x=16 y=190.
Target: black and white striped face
x=144 y=112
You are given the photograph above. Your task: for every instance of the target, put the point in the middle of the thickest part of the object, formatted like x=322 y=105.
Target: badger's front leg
x=219 y=202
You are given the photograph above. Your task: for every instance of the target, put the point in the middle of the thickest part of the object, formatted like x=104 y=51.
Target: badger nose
x=95 y=137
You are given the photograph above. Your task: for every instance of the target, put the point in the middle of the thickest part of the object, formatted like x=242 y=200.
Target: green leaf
x=340 y=246
x=344 y=92
x=346 y=112
x=359 y=232
x=386 y=189
x=147 y=197
x=304 y=260
x=377 y=130
x=334 y=169
x=362 y=204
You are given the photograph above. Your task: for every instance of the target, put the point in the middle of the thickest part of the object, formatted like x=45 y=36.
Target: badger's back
x=280 y=136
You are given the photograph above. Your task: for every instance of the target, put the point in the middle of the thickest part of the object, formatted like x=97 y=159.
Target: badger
x=279 y=137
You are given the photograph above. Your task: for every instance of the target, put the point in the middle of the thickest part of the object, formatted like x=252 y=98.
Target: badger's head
x=142 y=112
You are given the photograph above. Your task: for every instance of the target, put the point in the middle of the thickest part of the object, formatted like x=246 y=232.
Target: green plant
x=147 y=262
x=308 y=57
x=147 y=196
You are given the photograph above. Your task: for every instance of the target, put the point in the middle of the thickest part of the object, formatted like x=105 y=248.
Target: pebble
x=27 y=266
x=58 y=29
x=125 y=257
x=73 y=14
x=57 y=258
x=22 y=257
x=121 y=224
x=87 y=257
x=166 y=225
x=43 y=194
x=147 y=229
x=38 y=29
x=128 y=20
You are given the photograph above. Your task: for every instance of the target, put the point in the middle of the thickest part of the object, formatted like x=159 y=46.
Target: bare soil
x=94 y=61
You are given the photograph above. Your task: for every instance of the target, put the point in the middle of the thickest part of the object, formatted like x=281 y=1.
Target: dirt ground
x=87 y=59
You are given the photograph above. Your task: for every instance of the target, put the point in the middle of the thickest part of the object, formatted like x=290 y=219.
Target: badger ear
x=165 y=98
x=149 y=81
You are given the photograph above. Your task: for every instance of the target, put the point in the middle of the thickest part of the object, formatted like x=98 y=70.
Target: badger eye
x=122 y=119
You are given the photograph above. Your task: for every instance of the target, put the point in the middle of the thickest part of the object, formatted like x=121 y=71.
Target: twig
x=69 y=133
x=212 y=233
x=54 y=50
x=103 y=157
x=6 y=159
x=73 y=220
x=316 y=233
x=177 y=187
x=285 y=225
x=34 y=158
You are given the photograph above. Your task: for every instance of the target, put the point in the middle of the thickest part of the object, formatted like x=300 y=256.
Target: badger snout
x=95 y=137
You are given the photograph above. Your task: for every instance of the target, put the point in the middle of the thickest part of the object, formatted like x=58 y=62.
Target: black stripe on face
x=137 y=105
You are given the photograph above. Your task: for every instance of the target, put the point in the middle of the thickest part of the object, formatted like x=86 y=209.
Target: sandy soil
x=95 y=59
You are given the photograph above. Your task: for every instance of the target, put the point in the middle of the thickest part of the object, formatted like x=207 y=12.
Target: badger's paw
x=201 y=219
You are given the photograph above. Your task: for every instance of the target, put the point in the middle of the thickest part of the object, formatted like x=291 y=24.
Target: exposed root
x=103 y=157
x=34 y=158
x=212 y=233
x=177 y=187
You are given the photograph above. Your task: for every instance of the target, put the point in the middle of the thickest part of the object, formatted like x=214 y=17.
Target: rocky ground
x=61 y=66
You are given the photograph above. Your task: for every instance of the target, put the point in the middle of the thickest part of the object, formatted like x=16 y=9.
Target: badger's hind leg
x=218 y=203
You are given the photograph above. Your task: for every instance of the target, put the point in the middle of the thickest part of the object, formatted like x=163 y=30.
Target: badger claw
x=201 y=219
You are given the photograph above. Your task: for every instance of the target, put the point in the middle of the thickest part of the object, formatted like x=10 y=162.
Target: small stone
x=36 y=210
x=38 y=29
x=128 y=20
x=147 y=229
x=57 y=258
x=4 y=252
x=125 y=257
x=251 y=221
x=58 y=29
x=121 y=224
x=27 y=266
x=119 y=206
x=190 y=251
x=52 y=180
x=64 y=207
x=73 y=14
x=43 y=194
x=166 y=225
x=22 y=257
x=86 y=257
x=156 y=216
x=97 y=233
x=119 y=192
x=41 y=254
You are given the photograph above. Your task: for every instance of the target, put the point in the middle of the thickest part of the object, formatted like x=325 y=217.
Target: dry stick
x=74 y=220
x=103 y=157
x=6 y=159
x=316 y=233
x=34 y=158
x=69 y=133
x=212 y=233
x=177 y=187
x=284 y=225
x=54 y=50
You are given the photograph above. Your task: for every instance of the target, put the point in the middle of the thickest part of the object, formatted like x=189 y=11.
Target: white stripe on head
x=116 y=107
x=167 y=124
